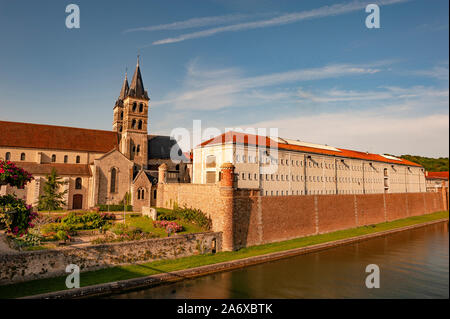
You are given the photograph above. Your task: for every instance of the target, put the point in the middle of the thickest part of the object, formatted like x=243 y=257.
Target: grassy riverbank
x=152 y=268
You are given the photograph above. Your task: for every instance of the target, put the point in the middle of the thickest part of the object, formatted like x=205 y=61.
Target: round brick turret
x=227 y=174
x=162 y=173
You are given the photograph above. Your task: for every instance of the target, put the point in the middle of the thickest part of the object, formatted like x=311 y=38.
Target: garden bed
x=58 y=229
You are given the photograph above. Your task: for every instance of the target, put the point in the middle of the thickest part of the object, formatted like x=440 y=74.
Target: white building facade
x=290 y=167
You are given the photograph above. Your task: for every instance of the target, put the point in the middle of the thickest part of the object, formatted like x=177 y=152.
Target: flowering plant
x=171 y=227
x=16 y=215
x=12 y=175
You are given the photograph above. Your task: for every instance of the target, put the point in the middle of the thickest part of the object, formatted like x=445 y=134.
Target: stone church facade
x=99 y=167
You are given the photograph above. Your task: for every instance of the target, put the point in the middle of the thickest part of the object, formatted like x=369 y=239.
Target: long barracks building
x=303 y=168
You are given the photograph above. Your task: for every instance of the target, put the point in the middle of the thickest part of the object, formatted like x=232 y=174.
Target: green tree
x=430 y=164
x=52 y=199
x=126 y=199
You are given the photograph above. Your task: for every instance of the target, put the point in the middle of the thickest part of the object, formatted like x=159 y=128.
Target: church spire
x=123 y=92
x=137 y=85
x=125 y=88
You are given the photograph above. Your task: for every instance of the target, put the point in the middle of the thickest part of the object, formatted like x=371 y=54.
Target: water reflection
x=413 y=264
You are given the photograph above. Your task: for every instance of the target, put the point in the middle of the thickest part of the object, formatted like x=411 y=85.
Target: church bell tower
x=130 y=120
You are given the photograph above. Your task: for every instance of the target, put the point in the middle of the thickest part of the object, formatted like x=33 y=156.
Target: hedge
x=115 y=208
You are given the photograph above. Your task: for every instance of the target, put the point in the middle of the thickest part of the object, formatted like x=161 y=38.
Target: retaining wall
x=24 y=266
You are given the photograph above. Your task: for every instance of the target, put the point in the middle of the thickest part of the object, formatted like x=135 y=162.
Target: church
x=98 y=167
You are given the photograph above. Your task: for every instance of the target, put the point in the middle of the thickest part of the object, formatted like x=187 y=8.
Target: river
x=413 y=264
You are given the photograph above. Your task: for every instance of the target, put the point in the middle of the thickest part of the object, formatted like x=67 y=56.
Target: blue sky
x=310 y=68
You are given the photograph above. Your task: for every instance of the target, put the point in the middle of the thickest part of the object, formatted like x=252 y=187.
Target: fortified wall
x=248 y=219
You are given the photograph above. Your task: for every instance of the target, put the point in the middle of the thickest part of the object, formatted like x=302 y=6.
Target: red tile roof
x=263 y=141
x=15 y=134
x=61 y=169
x=437 y=175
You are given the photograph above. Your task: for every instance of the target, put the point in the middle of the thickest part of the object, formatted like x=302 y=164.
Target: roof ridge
x=222 y=138
x=59 y=126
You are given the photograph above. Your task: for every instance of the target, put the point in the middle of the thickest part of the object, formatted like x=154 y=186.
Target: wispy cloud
x=439 y=72
x=196 y=23
x=383 y=93
x=433 y=27
x=216 y=89
x=321 y=12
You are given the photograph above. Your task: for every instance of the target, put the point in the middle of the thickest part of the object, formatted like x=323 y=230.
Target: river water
x=413 y=264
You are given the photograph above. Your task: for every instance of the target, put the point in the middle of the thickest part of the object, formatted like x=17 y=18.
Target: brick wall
x=251 y=219
x=287 y=217
x=206 y=197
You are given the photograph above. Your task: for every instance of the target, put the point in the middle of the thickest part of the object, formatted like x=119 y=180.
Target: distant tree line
x=430 y=164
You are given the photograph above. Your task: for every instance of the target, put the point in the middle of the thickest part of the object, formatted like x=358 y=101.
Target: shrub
x=108 y=216
x=28 y=240
x=55 y=227
x=170 y=227
x=49 y=236
x=170 y=215
x=62 y=235
x=115 y=208
x=49 y=218
x=15 y=215
x=193 y=215
x=12 y=175
x=91 y=220
x=119 y=228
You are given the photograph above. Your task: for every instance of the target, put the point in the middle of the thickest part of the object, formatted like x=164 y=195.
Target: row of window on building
x=134 y=124
x=311 y=163
x=141 y=194
x=53 y=158
x=301 y=178
x=315 y=192
x=136 y=149
x=134 y=109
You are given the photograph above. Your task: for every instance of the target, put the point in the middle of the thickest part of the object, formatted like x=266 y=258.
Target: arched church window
x=121 y=115
x=134 y=106
x=7 y=156
x=120 y=129
x=140 y=125
x=113 y=180
x=78 y=159
x=141 y=107
x=53 y=158
x=66 y=158
x=140 y=194
x=133 y=123
x=22 y=156
x=78 y=183
x=138 y=149
x=134 y=149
